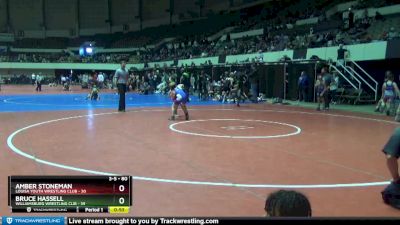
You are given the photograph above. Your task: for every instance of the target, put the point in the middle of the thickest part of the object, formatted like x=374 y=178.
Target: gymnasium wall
x=93 y=14
x=155 y=9
x=11 y=72
x=216 y=5
x=186 y=8
x=198 y=61
x=26 y=14
x=359 y=52
x=66 y=66
x=161 y=64
x=61 y=14
x=3 y=16
x=124 y=12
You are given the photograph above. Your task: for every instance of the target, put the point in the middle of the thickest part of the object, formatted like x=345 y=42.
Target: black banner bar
x=221 y=221
x=80 y=209
x=44 y=210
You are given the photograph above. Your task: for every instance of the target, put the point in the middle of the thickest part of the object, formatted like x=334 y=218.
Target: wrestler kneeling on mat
x=94 y=93
x=179 y=98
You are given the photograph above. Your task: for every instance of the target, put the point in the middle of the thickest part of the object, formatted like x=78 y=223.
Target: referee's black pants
x=121 y=92
x=187 y=92
x=327 y=99
x=39 y=86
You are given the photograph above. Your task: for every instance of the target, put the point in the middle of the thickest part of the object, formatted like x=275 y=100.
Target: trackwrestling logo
x=32 y=220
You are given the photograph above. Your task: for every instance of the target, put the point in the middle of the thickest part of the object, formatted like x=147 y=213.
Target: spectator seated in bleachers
x=274 y=20
x=392 y=34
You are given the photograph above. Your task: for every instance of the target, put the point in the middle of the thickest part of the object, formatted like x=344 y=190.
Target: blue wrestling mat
x=54 y=102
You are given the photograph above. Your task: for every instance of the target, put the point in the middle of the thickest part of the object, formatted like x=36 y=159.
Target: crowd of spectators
x=278 y=35
x=362 y=4
x=218 y=85
x=184 y=48
x=208 y=83
x=68 y=58
x=201 y=47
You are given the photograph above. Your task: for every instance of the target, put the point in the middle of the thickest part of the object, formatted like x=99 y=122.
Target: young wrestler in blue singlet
x=179 y=98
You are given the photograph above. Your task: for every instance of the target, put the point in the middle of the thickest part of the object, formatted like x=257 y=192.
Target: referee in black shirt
x=122 y=78
x=185 y=80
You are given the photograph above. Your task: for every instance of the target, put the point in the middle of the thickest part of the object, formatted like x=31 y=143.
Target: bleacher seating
x=192 y=43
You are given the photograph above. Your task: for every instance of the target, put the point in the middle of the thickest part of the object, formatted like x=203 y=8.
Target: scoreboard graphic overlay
x=75 y=194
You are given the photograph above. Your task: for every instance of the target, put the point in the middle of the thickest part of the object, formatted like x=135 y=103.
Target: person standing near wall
x=100 y=80
x=341 y=55
x=121 y=76
x=253 y=83
x=303 y=85
x=185 y=80
x=193 y=83
x=351 y=19
x=33 y=78
x=39 y=82
x=327 y=79
x=201 y=82
x=334 y=87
